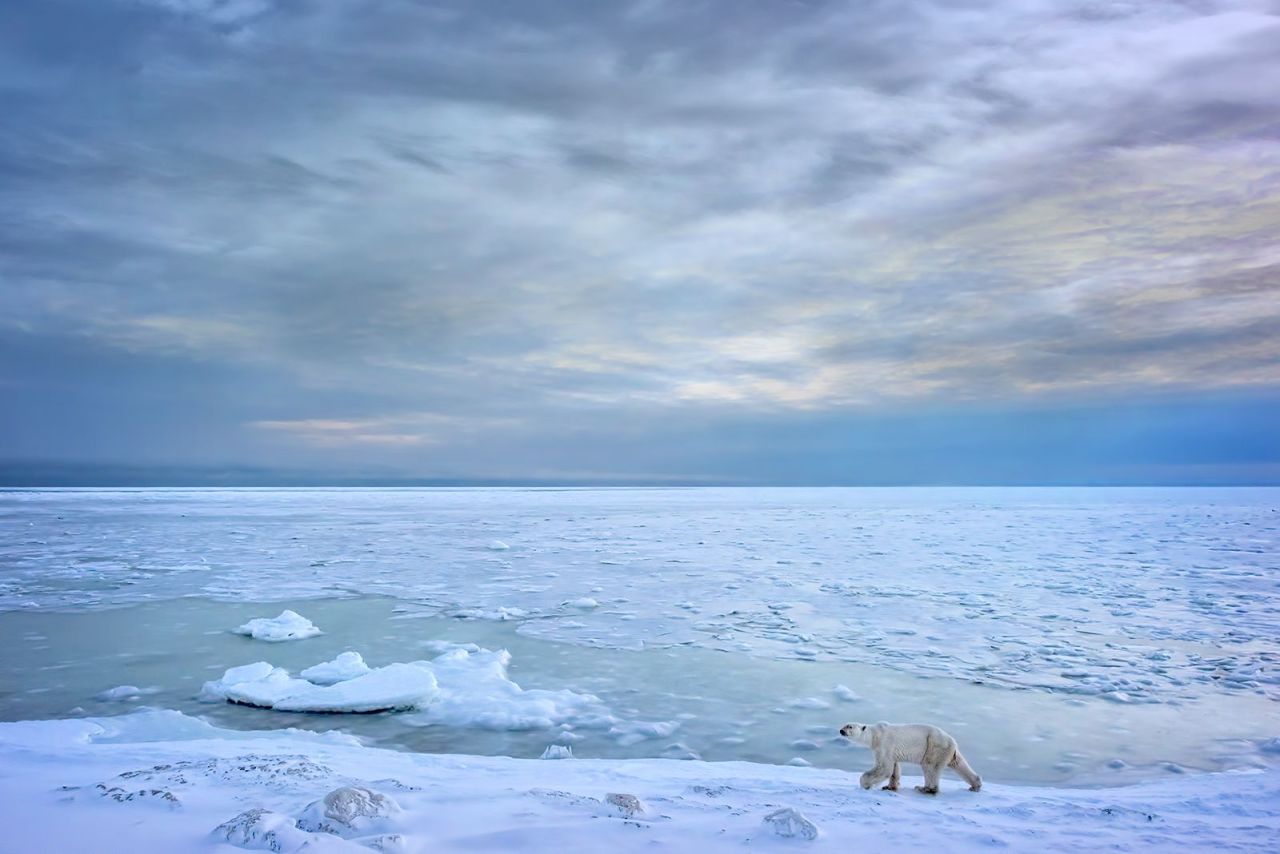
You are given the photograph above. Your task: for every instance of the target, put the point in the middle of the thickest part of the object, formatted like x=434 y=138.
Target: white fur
x=926 y=745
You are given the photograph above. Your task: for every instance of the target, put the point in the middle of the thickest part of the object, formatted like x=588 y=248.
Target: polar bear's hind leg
x=938 y=754
x=962 y=768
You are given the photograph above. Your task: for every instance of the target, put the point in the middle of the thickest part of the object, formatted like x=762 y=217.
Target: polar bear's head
x=860 y=733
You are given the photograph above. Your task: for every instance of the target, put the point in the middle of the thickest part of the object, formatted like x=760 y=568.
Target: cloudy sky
x=786 y=241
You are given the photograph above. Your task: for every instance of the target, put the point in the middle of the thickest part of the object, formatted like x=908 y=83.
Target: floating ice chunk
x=557 y=751
x=845 y=694
x=497 y=546
x=350 y=811
x=804 y=744
x=475 y=691
x=634 y=732
x=586 y=603
x=290 y=625
x=438 y=646
x=123 y=692
x=499 y=614
x=790 y=823
x=234 y=676
x=680 y=751
x=346 y=666
x=799 y=762
x=391 y=688
x=810 y=703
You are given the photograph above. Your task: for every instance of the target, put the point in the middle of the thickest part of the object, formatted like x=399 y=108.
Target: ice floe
x=465 y=686
x=290 y=625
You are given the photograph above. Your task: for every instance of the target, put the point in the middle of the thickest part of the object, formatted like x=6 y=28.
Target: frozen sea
x=1073 y=637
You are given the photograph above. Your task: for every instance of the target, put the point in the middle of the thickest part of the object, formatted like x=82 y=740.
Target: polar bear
x=894 y=743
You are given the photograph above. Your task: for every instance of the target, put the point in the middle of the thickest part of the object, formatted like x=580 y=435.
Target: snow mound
x=497 y=546
x=346 y=666
x=290 y=625
x=395 y=687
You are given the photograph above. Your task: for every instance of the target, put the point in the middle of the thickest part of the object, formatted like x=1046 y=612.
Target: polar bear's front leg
x=875 y=775
x=894 y=777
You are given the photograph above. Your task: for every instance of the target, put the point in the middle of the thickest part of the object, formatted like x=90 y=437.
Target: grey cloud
x=521 y=207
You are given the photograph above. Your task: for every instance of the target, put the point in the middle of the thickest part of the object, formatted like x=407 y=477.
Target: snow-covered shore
x=160 y=781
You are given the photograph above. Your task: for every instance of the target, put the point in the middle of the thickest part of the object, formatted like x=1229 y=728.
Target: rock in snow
x=350 y=811
x=791 y=823
x=261 y=829
x=290 y=625
x=627 y=806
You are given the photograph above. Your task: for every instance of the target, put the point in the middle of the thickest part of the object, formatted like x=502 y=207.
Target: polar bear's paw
x=927 y=790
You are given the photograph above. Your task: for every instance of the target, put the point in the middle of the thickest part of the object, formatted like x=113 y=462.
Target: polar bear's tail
x=962 y=768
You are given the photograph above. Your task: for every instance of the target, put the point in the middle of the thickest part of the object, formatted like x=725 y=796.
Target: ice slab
x=395 y=687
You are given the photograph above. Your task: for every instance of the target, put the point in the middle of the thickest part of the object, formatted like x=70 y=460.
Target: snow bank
x=290 y=625
x=290 y=791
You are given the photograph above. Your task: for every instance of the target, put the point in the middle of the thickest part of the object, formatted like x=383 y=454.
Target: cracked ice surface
x=1132 y=595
